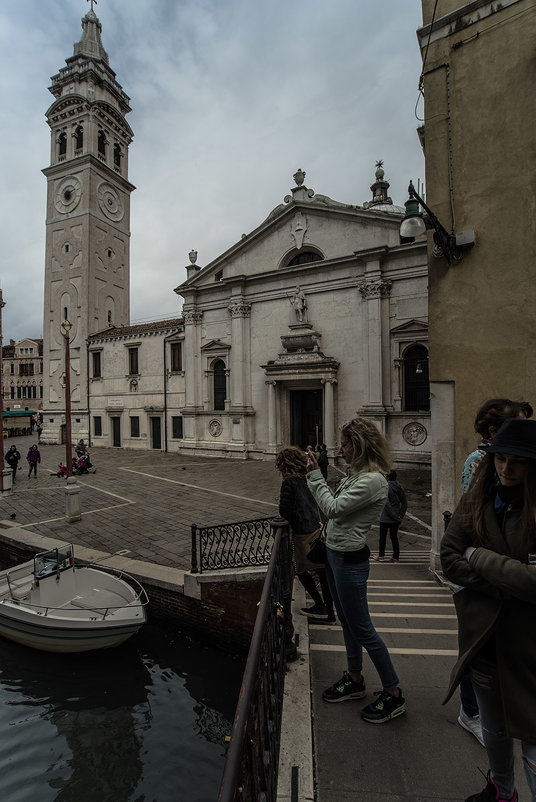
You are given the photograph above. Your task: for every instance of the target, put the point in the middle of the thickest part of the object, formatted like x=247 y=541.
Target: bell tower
x=87 y=253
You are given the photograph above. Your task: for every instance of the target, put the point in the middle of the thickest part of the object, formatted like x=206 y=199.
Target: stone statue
x=299 y=305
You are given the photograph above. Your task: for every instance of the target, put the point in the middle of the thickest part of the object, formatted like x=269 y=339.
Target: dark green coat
x=498 y=596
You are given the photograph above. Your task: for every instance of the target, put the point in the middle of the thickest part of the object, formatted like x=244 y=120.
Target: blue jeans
x=499 y=746
x=348 y=585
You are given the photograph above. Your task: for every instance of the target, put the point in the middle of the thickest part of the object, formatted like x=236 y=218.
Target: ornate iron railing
x=236 y=545
x=250 y=771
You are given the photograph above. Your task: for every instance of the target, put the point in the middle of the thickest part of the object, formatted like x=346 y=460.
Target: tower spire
x=91 y=43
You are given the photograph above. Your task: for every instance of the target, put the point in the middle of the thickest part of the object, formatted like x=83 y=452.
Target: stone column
x=330 y=437
x=373 y=290
x=443 y=425
x=272 y=428
x=240 y=352
x=192 y=355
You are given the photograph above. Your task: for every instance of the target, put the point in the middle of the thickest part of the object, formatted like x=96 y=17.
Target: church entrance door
x=306 y=418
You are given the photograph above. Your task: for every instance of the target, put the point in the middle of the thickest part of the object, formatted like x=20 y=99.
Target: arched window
x=117 y=155
x=79 y=138
x=101 y=143
x=220 y=389
x=304 y=258
x=416 y=381
x=62 y=144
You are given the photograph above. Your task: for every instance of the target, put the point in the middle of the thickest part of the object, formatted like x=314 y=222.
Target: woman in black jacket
x=490 y=550
x=298 y=507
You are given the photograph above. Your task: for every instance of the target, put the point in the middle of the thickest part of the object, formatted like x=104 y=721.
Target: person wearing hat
x=489 y=549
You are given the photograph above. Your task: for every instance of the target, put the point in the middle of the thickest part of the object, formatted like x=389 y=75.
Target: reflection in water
x=144 y=722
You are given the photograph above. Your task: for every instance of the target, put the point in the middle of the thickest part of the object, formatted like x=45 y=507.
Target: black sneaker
x=384 y=708
x=344 y=689
x=491 y=794
x=329 y=619
x=316 y=610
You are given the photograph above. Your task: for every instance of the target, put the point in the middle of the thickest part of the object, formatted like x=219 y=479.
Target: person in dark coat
x=33 y=458
x=12 y=459
x=391 y=517
x=323 y=461
x=298 y=507
x=489 y=549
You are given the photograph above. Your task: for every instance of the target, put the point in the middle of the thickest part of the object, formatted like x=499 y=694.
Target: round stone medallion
x=215 y=428
x=68 y=194
x=414 y=433
x=110 y=202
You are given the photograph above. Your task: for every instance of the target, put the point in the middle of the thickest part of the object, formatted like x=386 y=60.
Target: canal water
x=144 y=722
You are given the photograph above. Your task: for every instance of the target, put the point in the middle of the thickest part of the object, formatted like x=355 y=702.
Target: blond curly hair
x=371 y=450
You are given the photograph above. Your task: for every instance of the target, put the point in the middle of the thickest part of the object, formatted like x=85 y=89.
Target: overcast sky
x=229 y=98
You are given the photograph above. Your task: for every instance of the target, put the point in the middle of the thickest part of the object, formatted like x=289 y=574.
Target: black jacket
x=298 y=506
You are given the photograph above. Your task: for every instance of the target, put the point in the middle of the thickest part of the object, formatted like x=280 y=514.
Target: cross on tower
x=92 y=1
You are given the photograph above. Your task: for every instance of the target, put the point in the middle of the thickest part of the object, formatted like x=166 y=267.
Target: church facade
x=318 y=314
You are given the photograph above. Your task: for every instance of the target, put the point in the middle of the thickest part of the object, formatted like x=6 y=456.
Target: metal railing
x=250 y=771
x=236 y=545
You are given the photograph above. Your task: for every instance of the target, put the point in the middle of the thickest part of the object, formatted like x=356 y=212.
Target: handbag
x=317 y=553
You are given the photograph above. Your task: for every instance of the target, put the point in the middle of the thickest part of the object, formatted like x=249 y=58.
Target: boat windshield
x=53 y=562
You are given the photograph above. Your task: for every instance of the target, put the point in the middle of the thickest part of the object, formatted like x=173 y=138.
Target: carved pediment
x=411 y=327
x=215 y=346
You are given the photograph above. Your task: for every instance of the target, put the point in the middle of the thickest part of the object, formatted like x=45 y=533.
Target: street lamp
x=414 y=224
x=66 y=327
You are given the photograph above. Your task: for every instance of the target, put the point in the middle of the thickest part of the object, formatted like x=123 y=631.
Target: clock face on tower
x=68 y=194
x=110 y=202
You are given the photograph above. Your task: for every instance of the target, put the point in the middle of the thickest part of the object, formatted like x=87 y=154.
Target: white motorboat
x=51 y=604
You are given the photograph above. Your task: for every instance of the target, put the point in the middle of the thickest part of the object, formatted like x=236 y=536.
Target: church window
x=97 y=364
x=134 y=426
x=133 y=361
x=109 y=318
x=304 y=258
x=220 y=384
x=117 y=155
x=416 y=381
x=101 y=143
x=97 y=425
x=176 y=426
x=79 y=138
x=12 y=392
x=65 y=310
x=176 y=357
x=110 y=253
x=66 y=247
x=62 y=144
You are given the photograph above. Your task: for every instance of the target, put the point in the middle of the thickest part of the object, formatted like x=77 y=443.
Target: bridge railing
x=241 y=544
x=250 y=771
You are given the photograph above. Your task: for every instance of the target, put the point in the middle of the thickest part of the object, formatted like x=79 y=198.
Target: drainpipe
x=88 y=412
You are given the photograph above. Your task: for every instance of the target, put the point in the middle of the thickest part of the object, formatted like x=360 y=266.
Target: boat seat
x=20 y=588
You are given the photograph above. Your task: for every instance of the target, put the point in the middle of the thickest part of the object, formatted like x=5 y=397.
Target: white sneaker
x=378 y=558
x=471 y=724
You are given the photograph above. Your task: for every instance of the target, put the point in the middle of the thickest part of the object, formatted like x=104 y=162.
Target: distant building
x=22 y=374
x=136 y=386
x=480 y=138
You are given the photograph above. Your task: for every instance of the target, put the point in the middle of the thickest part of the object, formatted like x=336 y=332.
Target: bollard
x=7 y=476
x=72 y=501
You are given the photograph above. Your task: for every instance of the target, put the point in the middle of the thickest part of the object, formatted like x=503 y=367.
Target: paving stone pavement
x=140 y=501
x=145 y=502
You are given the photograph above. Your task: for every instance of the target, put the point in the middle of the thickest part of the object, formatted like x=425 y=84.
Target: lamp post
x=2 y=304
x=414 y=224
x=66 y=327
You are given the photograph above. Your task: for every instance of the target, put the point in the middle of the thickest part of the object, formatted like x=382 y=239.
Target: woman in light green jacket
x=350 y=511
